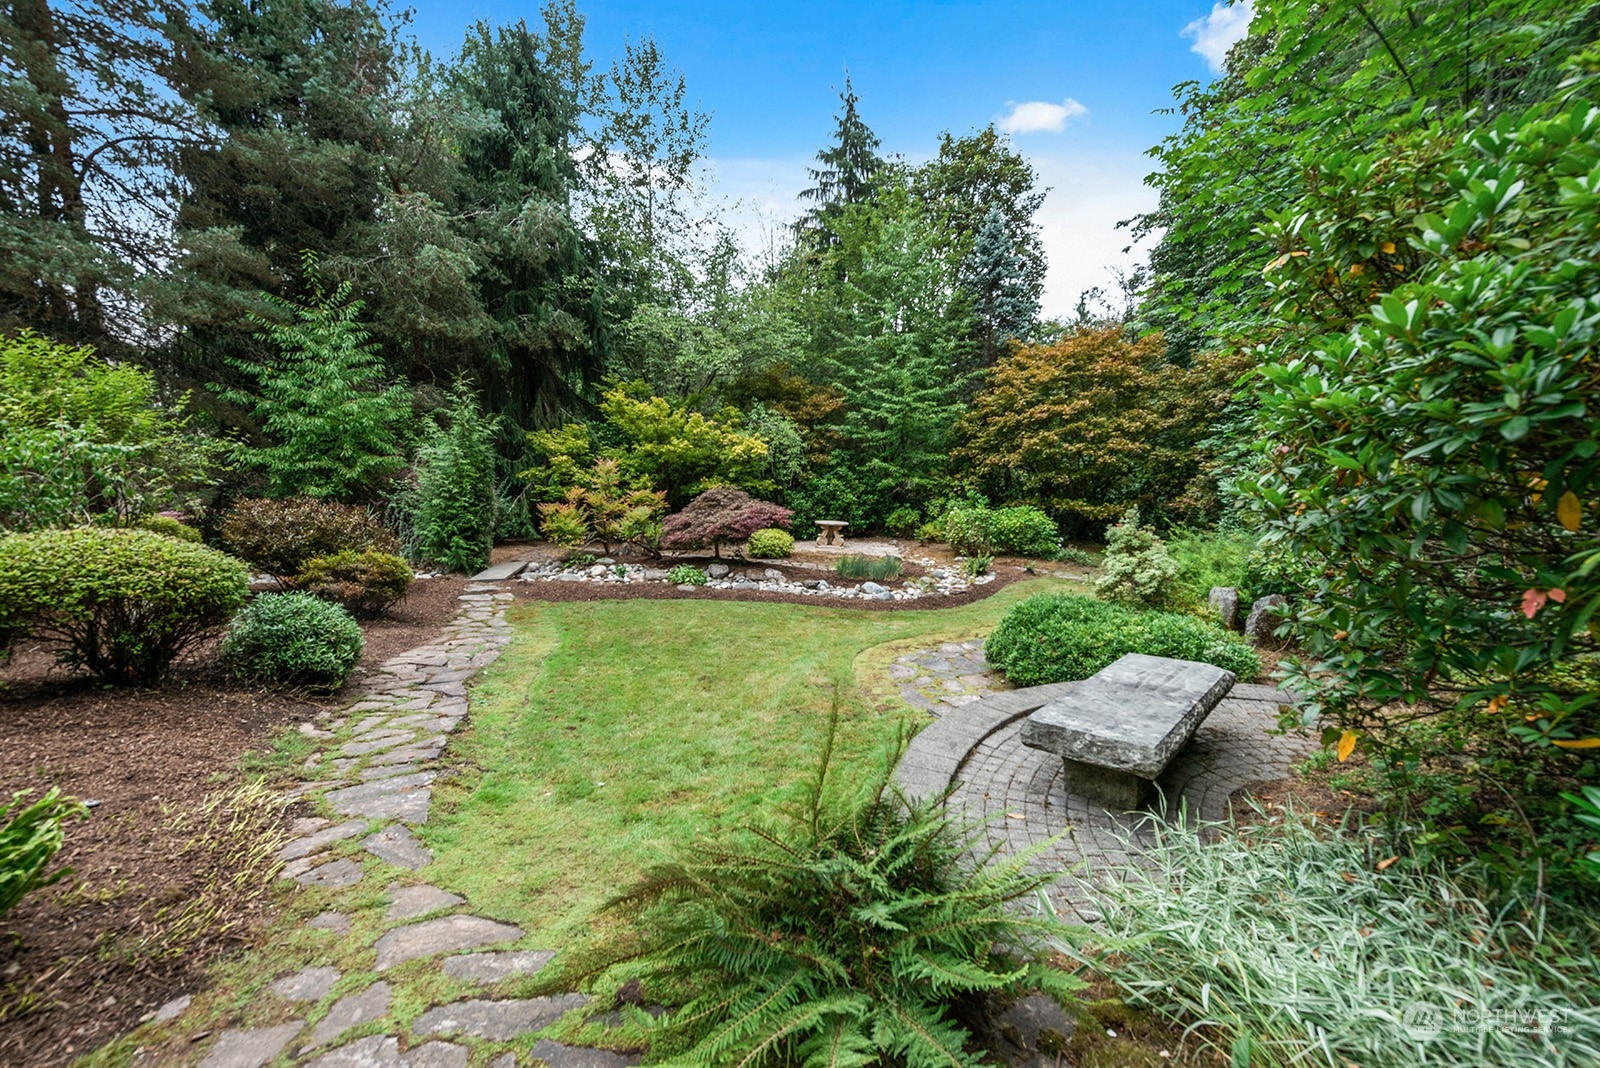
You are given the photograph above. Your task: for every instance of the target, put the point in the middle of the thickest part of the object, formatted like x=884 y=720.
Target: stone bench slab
x=1120 y=728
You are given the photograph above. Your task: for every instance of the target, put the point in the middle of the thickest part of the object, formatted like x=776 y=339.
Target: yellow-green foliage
x=365 y=582
x=769 y=543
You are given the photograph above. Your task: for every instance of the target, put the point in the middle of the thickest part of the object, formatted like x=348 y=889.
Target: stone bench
x=1116 y=731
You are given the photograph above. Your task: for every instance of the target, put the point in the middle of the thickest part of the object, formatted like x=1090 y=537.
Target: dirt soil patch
x=76 y=967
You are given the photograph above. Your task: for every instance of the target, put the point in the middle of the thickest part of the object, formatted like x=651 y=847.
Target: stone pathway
x=974 y=749
x=375 y=776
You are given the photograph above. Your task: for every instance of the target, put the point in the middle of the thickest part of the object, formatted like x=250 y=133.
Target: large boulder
x=1263 y=617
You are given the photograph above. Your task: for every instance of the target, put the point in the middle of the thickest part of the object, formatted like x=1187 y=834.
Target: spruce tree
x=1004 y=289
x=849 y=168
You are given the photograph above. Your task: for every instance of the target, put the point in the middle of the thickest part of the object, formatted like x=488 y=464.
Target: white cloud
x=1041 y=116
x=1219 y=31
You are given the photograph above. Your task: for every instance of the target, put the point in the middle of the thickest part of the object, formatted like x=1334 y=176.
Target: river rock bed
x=938 y=581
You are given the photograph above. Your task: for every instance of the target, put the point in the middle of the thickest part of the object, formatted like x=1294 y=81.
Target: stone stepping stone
x=251 y=1049
x=352 y=1010
x=383 y=1051
x=398 y=846
x=311 y=843
x=403 y=797
x=493 y=967
x=337 y=922
x=557 y=1055
x=379 y=741
x=423 y=750
x=344 y=872
x=171 y=1010
x=500 y=1021
x=500 y=572
x=307 y=984
x=409 y=902
x=448 y=934
x=389 y=771
x=308 y=825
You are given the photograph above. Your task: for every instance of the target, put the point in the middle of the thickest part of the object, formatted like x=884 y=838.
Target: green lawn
x=611 y=733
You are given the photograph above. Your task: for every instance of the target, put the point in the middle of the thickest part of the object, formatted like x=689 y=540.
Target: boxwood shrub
x=122 y=604
x=1061 y=637
x=281 y=536
x=165 y=524
x=769 y=543
x=293 y=639
x=366 y=582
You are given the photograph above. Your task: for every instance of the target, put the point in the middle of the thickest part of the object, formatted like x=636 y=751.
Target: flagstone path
x=374 y=778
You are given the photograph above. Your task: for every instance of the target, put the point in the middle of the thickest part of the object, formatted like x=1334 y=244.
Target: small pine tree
x=333 y=428
x=455 y=496
x=1137 y=569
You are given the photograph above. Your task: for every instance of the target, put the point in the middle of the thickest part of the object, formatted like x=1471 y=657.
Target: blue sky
x=1077 y=83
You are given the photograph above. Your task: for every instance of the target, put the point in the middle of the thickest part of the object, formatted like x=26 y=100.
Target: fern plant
x=859 y=930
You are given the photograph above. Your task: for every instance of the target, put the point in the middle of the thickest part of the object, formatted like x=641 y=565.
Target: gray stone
x=337 y=922
x=172 y=1009
x=873 y=589
x=1224 y=601
x=493 y=967
x=687 y=587
x=1031 y=1033
x=409 y=902
x=1128 y=721
x=403 y=797
x=352 y=1010
x=398 y=846
x=557 y=1055
x=500 y=572
x=383 y=1051
x=251 y=1049
x=377 y=743
x=812 y=584
x=655 y=574
x=716 y=571
x=505 y=1060
x=444 y=935
x=772 y=573
x=1259 y=624
x=334 y=873
x=301 y=847
x=497 y=1020
x=307 y=984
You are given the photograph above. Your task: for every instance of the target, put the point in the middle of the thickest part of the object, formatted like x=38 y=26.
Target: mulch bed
x=67 y=983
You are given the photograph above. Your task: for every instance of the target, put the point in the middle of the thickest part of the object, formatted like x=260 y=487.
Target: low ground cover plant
x=855 y=930
x=121 y=604
x=30 y=836
x=293 y=639
x=769 y=543
x=367 y=582
x=1291 y=942
x=1063 y=637
x=858 y=567
x=280 y=536
x=685 y=575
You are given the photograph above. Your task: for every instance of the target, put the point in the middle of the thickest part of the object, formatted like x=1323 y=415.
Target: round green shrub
x=280 y=536
x=684 y=575
x=1024 y=531
x=366 y=582
x=1061 y=637
x=293 y=639
x=902 y=522
x=769 y=543
x=122 y=604
x=168 y=526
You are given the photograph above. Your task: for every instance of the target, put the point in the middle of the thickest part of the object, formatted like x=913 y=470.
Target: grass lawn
x=611 y=733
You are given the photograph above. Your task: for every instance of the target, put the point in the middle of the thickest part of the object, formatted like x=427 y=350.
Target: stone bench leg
x=1116 y=790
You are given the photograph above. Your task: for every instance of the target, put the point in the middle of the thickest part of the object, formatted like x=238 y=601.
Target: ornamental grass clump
x=1288 y=942
x=861 y=568
x=30 y=835
x=1058 y=637
x=856 y=930
x=293 y=639
x=121 y=604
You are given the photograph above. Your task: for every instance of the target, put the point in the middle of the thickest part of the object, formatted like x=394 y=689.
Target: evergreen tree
x=846 y=176
x=1003 y=287
x=85 y=135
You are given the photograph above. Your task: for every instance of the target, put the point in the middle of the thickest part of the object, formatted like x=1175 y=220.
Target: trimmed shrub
x=869 y=568
x=1137 y=569
x=280 y=536
x=167 y=526
x=293 y=639
x=366 y=583
x=684 y=575
x=122 y=603
x=903 y=522
x=29 y=837
x=1024 y=530
x=769 y=543
x=720 y=515
x=857 y=931
x=1062 y=637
